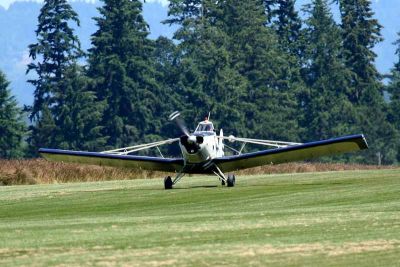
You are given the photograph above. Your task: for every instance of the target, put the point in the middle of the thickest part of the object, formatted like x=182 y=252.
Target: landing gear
x=168 y=182
x=231 y=180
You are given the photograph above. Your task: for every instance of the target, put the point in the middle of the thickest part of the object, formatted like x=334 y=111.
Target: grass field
x=349 y=218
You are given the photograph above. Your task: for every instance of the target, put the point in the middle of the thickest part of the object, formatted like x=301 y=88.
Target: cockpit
x=205 y=126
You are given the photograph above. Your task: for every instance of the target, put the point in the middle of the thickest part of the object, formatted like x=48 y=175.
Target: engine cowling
x=191 y=143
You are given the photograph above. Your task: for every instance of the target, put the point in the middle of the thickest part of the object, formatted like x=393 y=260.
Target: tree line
x=260 y=68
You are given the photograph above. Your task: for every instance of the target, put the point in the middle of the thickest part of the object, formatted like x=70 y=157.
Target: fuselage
x=202 y=145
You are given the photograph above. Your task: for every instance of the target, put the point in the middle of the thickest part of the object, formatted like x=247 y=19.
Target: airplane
x=203 y=153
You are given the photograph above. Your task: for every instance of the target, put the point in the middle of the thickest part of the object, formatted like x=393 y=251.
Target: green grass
x=347 y=218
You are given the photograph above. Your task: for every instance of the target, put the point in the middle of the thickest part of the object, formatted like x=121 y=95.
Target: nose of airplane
x=192 y=139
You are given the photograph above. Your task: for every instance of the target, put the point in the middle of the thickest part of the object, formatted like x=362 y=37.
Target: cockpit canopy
x=205 y=126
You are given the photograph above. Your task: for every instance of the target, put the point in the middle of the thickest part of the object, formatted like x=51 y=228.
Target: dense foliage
x=64 y=113
x=258 y=67
x=12 y=126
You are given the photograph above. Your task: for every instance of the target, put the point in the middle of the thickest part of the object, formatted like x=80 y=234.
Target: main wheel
x=168 y=182
x=222 y=182
x=231 y=180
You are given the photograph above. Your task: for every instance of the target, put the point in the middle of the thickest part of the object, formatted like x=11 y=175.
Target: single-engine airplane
x=203 y=153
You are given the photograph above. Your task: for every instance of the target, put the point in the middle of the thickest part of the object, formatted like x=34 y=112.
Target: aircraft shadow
x=196 y=186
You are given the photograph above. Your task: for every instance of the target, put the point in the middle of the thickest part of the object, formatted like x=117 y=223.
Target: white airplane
x=203 y=153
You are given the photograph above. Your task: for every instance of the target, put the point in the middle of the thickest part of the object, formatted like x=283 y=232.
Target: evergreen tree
x=270 y=97
x=79 y=114
x=328 y=112
x=57 y=118
x=394 y=90
x=12 y=126
x=232 y=65
x=208 y=81
x=284 y=19
x=168 y=58
x=361 y=32
x=122 y=69
x=57 y=48
x=43 y=134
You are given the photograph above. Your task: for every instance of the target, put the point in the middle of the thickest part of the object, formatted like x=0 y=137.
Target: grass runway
x=349 y=218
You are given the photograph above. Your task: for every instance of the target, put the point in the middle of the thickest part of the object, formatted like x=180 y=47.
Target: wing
x=292 y=153
x=103 y=159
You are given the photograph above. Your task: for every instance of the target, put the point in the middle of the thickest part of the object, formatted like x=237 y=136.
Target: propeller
x=176 y=116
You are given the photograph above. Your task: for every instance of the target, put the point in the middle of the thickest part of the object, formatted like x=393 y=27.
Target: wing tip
x=362 y=142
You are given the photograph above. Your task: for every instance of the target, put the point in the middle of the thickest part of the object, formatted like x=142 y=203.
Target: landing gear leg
x=220 y=175
x=168 y=183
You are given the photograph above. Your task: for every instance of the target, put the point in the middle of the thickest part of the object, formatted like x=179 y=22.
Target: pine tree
x=361 y=32
x=284 y=19
x=257 y=54
x=208 y=81
x=190 y=15
x=43 y=134
x=12 y=125
x=393 y=88
x=232 y=65
x=123 y=74
x=328 y=112
x=79 y=114
x=58 y=120
x=57 y=48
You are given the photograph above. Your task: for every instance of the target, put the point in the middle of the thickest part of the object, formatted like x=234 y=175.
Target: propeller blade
x=175 y=116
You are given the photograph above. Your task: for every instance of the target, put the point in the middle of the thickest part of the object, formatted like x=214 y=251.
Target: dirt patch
x=366 y=246
x=327 y=249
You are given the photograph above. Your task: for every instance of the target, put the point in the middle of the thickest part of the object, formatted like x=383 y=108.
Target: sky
x=7 y=3
x=386 y=12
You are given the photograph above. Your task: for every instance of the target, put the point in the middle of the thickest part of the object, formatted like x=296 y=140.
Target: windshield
x=205 y=127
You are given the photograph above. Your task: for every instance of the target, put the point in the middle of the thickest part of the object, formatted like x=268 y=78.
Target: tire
x=231 y=180
x=168 y=182
x=222 y=182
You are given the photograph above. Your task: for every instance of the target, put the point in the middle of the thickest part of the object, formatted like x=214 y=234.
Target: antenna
x=209 y=115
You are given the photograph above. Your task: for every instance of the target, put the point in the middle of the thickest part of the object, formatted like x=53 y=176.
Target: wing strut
x=270 y=143
x=131 y=149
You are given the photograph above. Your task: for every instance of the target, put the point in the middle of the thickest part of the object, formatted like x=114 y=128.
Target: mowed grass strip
x=314 y=219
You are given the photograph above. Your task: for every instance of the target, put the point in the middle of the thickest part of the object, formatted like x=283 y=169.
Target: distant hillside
x=18 y=24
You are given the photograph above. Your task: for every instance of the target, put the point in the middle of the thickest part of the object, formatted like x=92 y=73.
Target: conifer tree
x=209 y=82
x=79 y=114
x=284 y=19
x=233 y=65
x=328 y=112
x=57 y=48
x=12 y=126
x=57 y=84
x=394 y=90
x=122 y=70
x=361 y=32
x=271 y=101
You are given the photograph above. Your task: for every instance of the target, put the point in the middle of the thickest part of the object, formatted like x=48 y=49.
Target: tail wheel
x=168 y=182
x=231 y=180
